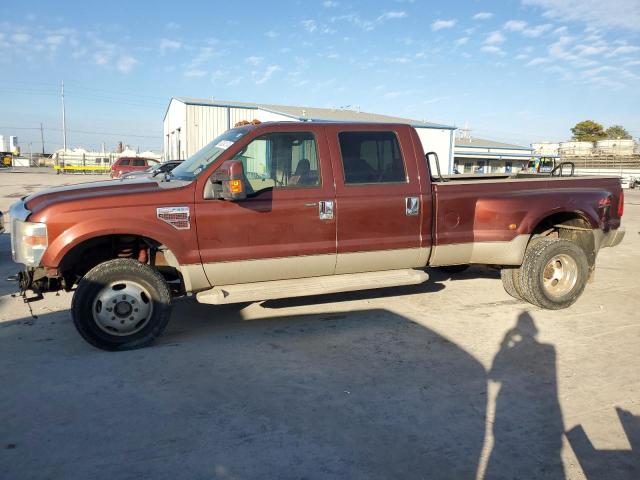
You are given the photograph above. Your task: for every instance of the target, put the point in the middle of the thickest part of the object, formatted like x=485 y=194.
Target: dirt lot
x=450 y=379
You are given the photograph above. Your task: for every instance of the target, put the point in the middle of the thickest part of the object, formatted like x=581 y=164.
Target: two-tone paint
x=279 y=233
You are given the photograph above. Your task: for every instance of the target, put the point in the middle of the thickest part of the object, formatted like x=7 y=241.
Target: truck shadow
x=365 y=394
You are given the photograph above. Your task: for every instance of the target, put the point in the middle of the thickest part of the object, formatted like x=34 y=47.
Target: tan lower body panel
x=487 y=253
x=283 y=268
x=251 y=292
x=358 y=262
x=267 y=269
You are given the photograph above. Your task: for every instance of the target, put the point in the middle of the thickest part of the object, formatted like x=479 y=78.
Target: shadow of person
x=528 y=426
x=610 y=464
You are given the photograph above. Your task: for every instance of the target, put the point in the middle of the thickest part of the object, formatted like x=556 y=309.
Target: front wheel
x=554 y=273
x=121 y=305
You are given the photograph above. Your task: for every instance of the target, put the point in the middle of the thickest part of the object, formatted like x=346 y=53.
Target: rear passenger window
x=371 y=157
x=139 y=162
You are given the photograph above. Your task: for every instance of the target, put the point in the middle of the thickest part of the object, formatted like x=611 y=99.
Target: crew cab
x=290 y=209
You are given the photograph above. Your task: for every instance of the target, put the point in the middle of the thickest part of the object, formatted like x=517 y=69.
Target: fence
x=85 y=162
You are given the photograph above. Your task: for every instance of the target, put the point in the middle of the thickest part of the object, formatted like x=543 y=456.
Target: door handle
x=325 y=210
x=412 y=206
x=311 y=204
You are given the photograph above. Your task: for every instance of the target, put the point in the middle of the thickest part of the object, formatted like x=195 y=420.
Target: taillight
x=621 y=204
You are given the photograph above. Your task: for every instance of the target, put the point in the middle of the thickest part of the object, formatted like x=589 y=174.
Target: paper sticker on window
x=224 y=144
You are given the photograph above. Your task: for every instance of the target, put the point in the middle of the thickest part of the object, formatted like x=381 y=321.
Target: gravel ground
x=450 y=379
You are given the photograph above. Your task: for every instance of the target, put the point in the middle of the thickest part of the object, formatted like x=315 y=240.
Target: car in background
x=158 y=169
x=131 y=164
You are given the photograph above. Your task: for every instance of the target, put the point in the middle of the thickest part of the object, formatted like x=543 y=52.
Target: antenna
x=64 y=122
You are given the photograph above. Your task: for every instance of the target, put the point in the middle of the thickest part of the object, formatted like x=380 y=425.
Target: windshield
x=198 y=162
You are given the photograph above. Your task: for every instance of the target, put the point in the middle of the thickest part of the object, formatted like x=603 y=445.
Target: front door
x=284 y=229
x=378 y=200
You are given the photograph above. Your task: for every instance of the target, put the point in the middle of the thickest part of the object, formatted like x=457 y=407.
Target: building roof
x=315 y=114
x=471 y=142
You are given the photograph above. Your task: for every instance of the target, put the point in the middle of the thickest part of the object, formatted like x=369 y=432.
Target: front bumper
x=612 y=238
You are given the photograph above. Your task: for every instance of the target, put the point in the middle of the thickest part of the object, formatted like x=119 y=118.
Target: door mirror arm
x=228 y=182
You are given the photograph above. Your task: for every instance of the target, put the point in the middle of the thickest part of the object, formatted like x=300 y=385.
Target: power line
x=115 y=134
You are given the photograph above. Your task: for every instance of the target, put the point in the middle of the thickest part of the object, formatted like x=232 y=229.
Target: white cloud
x=368 y=25
x=390 y=16
x=253 y=60
x=272 y=34
x=126 y=63
x=482 y=16
x=624 y=49
x=588 y=50
x=172 y=26
x=268 y=73
x=167 y=44
x=101 y=58
x=493 y=50
x=329 y=4
x=529 y=31
x=515 y=25
x=309 y=25
x=538 y=61
x=534 y=32
x=610 y=14
x=494 y=38
x=441 y=24
x=21 y=37
x=54 y=40
x=194 y=73
x=462 y=40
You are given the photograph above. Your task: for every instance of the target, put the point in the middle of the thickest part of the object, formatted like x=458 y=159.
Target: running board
x=301 y=287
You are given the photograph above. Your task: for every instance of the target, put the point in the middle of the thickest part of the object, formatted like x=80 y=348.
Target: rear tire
x=121 y=304
x=554 y=273
x=511 y=281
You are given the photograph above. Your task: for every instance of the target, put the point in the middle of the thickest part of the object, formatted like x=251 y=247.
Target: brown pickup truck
x=291 y=209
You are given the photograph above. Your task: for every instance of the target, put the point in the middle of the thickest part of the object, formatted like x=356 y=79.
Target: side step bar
x=301 y=287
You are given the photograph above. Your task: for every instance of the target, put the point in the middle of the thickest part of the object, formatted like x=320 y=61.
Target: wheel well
x=94 y=251
x=570 y=226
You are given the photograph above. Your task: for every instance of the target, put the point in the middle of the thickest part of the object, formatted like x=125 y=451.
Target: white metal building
x=478 y=155
x=191 y=123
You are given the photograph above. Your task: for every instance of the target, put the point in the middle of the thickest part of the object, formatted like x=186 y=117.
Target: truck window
x=281 y=160
x=371 y=157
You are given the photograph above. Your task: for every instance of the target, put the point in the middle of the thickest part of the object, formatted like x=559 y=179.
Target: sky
x=517 y=71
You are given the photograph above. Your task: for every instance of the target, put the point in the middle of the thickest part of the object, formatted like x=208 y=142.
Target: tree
x=617 y=131
x=588 y=131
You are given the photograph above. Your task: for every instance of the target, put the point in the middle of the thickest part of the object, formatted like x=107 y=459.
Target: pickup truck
x=287 y=209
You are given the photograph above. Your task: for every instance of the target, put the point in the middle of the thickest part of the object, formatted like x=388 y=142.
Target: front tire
x=554 y=273
x=121 y=304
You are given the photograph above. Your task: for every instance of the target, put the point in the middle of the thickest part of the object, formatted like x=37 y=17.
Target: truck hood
x=92 y=190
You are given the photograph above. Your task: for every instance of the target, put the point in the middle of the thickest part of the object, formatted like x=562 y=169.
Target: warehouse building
x=478 y=155
x=191 y=123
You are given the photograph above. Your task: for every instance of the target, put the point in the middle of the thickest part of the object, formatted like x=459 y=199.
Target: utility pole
x=64 y=122
x=42 y=138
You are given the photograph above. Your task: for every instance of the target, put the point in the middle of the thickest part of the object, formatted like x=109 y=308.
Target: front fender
x=63 y=238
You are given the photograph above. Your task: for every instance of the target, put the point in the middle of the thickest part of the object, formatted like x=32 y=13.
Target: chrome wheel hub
x=560 y=275
x=122 y=308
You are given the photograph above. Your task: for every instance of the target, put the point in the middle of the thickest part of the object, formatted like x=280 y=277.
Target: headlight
x=28 y=242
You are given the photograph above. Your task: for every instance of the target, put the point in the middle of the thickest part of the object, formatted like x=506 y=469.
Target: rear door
x=379 y=208
x=286 y=227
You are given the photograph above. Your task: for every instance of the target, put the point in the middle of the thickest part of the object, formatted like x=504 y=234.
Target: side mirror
x=229 y=181
x=434 y=156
